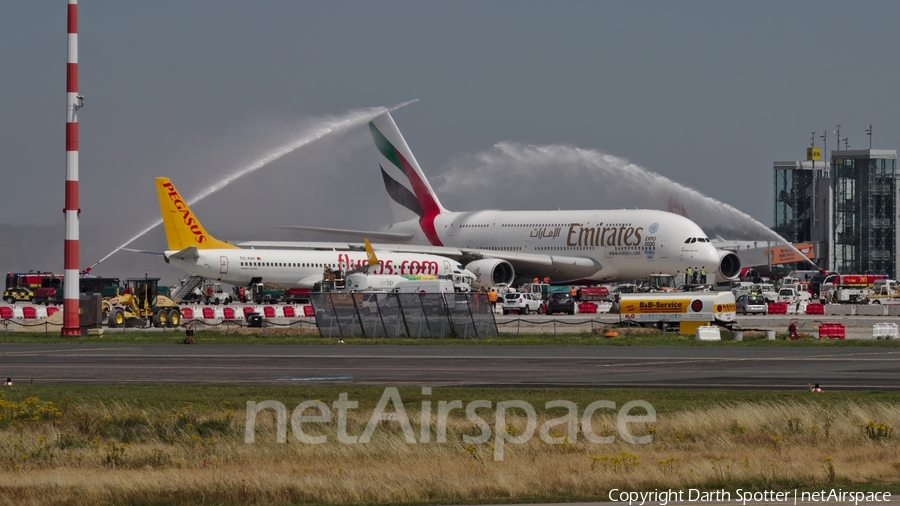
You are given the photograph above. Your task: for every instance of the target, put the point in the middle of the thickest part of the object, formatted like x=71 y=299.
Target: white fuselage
x=302 y=268
x=628 y=244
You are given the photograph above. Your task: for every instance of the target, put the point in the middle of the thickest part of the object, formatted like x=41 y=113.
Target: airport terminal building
x=846 y=207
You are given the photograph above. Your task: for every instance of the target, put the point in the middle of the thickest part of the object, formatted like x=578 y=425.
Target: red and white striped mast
x=71 y=322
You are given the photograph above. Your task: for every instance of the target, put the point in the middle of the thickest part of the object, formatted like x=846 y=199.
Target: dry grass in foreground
x=119 y=453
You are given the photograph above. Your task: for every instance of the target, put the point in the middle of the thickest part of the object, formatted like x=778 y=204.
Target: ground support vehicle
x=659 y=283
x=593 y=294
x=560 y=302
x=845 y=288
x=885 y=291
x=195 y=296
x=849 y=295
x=296 y=296
x=793 y=293
x=106 y=287
x=260 y=293
x=767 y=290
x=215 y=294
x=141 y=300
x=751 y=304
x=520 y=302
x=425 y=286
x=687 y=310
x=31 y=280
x=621 y=289
x=407 y=283
x=462 y=281
x=20 y=294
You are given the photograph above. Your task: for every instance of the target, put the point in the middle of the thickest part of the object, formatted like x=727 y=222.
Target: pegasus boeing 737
x=569 y=247
x=194 y=250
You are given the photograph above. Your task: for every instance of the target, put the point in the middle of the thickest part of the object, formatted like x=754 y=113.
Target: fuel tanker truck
x=687 y=310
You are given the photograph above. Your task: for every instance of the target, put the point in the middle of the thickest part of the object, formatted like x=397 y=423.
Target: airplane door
x=664 y=249
x=223 y=264
x=528 y=246
x=447 y=268
x=495 y=226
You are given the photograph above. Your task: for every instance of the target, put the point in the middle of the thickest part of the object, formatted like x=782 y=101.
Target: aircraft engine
x=729 y=264
x=491 y=272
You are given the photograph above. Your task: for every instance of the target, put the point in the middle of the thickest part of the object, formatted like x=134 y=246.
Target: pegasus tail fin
x=183 y=229
x=370 y=253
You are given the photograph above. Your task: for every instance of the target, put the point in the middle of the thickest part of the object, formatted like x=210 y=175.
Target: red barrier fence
x=587 y=307
x=778 y=308
x=831 y=331
x=815 y=309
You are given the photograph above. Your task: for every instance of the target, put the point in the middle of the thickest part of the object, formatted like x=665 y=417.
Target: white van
x=425 y=286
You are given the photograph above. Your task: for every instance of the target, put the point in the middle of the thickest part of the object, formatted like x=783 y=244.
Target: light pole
x=812 y=207
x=846 y=143
x=869 y=133
x=837 y=137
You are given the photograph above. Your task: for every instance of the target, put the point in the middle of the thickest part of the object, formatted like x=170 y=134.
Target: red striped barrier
x=587 y=307
x=832 y=330
x=778 y=308
x=815 y=309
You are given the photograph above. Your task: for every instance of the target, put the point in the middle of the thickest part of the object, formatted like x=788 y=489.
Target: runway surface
x=576 y=366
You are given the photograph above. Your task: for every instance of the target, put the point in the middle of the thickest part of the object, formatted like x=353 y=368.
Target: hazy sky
x=706 y=94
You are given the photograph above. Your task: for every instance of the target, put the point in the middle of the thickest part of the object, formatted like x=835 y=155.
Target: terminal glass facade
x=794 y=199
x=864 y=184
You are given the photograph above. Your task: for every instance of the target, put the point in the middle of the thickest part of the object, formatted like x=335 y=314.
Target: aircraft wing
x=189 y=253
x=145 y=251
x=381 y=236
x=566 y=267
x=307 y=245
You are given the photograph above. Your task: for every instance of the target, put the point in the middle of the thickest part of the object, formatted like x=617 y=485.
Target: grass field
x=180 y=444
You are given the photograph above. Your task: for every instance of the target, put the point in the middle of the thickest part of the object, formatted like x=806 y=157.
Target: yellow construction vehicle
x=140 y=299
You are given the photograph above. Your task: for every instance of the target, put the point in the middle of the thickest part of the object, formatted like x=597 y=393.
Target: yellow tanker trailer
x=688 y=310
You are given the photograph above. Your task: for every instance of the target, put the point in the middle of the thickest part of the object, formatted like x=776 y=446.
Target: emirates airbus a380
x=569 y=247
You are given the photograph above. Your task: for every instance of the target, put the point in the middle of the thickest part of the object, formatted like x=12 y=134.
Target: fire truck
x=847 y=288
x=20 y=286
